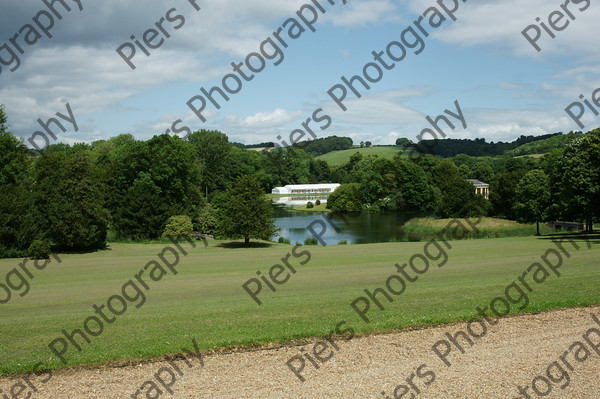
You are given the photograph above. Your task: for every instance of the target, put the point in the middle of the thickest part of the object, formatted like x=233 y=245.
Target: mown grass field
x=341 y=157
x=205 y=300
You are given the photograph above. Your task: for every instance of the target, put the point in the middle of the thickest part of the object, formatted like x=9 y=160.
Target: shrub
x=179 y=226
x=343 y=242
x=39 y=250
x=318 y=202
x=310 y=205
x=311 y=241
x=208 y=220
x=283 y=240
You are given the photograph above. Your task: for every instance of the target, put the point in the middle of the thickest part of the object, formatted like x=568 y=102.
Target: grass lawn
x=322 y=207
x=343 y=156
x=205 y=300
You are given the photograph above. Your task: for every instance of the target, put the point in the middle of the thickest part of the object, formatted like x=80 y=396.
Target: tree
x=502 y=193
x=579 y=171
x=458 y=198
x=483 y=172
x=465 y=171
x=403 y=142
x=346 y=198
x=70 y=201
x=207 y=220
x=150 y=182
x=214 y=150
x=142 y=210
x=18 y=227
x=247 y=211
x=414 y=193
x=532 y=198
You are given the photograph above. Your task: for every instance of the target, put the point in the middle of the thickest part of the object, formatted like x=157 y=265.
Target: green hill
x=544 y=146
x=343 y=156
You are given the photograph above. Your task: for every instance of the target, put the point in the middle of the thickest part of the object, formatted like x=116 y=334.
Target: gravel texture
x=513 y=352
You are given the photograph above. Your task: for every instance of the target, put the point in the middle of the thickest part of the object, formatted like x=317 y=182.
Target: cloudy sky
x=504 y=86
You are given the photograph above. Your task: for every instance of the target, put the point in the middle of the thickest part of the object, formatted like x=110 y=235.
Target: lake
x=361 y=228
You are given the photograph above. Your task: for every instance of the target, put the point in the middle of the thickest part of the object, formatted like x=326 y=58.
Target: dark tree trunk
x=538 y=228
x=246 y=241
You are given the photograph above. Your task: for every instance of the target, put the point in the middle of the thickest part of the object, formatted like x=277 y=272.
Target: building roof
x=311 y=186
x=477 y=183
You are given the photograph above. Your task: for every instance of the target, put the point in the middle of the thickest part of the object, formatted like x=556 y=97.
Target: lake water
x=361 y=228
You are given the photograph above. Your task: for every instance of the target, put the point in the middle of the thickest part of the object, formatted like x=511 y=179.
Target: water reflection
x=360 y=229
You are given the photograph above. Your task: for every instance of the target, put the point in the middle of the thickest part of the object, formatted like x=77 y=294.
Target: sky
x=504 y=86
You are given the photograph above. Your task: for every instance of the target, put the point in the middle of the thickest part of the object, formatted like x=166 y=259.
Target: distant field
x=340 y=157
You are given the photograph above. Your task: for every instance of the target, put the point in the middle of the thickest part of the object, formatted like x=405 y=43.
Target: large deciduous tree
x=213 y=150
x=347 y=198
x=532 y=198
x=579 y=183
x=458 y=198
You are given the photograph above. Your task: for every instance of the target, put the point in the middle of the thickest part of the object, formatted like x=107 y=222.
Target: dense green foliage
x=577 y=178
x=247 y=211
x=207 y=221
x=74 y=197
x=179 y=226
x=39 y=250
x=457 y=196
x=532 y=198
x=476 y=147
x=328 y=144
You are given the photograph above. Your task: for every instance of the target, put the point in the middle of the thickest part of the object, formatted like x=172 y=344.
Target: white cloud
x=501 y=24
x=366 y=12
x=262 y=120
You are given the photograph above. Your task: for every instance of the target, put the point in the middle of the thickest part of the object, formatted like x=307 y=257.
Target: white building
x=481 y=188
x=306 y=189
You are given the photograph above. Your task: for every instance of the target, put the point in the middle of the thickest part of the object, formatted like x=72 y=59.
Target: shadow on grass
x=592 y=238
x=239 y=244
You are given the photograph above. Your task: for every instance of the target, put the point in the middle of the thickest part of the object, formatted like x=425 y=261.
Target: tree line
x=76 y=197
x=562 y=185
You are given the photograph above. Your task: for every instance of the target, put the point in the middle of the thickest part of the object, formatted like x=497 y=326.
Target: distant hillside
x=254 y=146
x=546 y=145
x=315 y=147
x=341 y=157
x=327 y=144
x=478 y=147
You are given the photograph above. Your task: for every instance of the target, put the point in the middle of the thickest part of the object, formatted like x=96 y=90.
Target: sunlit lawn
x=205 y=300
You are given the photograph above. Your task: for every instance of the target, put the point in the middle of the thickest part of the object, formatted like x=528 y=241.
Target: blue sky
x=504 y=86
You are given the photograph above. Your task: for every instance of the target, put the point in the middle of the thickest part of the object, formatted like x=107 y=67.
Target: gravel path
x=513 y=352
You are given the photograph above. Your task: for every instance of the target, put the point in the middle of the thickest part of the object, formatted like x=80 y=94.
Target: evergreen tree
x=247 y=211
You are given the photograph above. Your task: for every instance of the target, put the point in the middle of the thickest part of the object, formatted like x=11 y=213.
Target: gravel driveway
x=546 y=354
